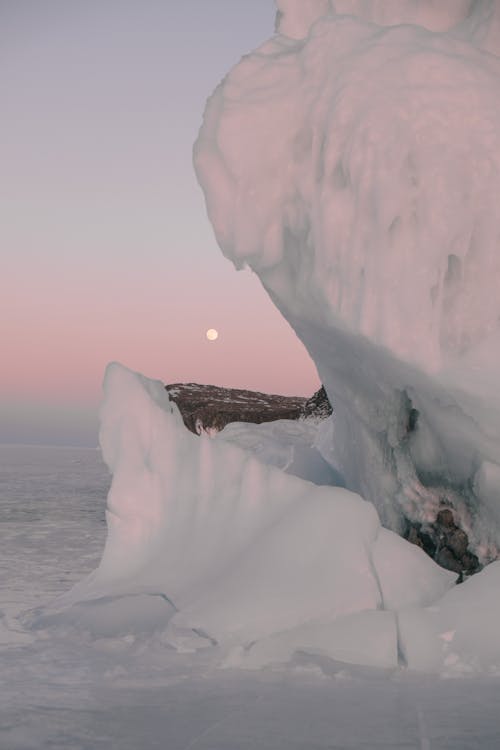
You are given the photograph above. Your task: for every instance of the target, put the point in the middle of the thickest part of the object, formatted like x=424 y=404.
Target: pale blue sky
x=106 y=249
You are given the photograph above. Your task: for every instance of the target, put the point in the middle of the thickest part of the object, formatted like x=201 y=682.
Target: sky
x=106 y=250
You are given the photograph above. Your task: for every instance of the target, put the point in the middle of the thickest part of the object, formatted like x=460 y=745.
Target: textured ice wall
x=221 y=534
x=211 y=546
x=353 y=161
x=478 y=20
x=207 y=546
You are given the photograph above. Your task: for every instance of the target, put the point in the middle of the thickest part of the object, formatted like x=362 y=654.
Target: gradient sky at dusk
x=107 y=253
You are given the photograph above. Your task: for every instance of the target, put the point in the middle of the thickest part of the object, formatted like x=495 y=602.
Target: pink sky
x=65 y=326
x=107 y=253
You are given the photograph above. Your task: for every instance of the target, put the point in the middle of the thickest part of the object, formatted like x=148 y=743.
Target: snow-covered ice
x=288 y=444
x=353 y=162
x=212 y=548
x=204 y=539
x=71 y=689
x=460 y=632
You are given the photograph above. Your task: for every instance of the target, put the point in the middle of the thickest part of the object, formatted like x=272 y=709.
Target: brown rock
x=445 y=518
x=457 y=542
x=445 y=542
x=206 y=407
x=447 y=559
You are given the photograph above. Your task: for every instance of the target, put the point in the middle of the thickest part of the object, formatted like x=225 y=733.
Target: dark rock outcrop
x=210 y=407
x=445 y=542
x=205 y=407
x=318 y=405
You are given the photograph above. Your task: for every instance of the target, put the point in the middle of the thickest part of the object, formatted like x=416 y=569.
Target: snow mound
x=287 y=444
x=407 y=576
x=212 y=547
x=241 y=549
x=460 y=632
x=353 y=161
x=111 y=616
x=368 y=638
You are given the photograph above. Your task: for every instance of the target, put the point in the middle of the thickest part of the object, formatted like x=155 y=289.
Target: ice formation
x=285 y=443
x=353 y=161
x=209 y=546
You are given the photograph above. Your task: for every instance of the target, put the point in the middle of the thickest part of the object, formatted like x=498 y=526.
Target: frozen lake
x=66 y=690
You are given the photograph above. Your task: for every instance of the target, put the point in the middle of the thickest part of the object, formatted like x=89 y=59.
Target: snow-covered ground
x=353 y=162
x=69 y=690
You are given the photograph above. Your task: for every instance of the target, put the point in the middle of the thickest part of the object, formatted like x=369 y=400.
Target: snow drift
x=353 y=161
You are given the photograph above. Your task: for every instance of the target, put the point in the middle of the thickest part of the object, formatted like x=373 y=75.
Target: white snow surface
x=444 y=637
x=210 y=547
x=74 y=688
x=286 y=443
x=239 y=549
x=353 y=161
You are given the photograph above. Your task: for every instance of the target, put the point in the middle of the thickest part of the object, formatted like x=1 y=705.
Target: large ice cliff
x=353 y=162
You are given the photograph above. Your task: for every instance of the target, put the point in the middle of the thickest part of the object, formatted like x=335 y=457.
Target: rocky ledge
x=445 y=542
x=210 y=407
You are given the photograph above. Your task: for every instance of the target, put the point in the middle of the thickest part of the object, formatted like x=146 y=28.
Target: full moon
x=212 y=334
